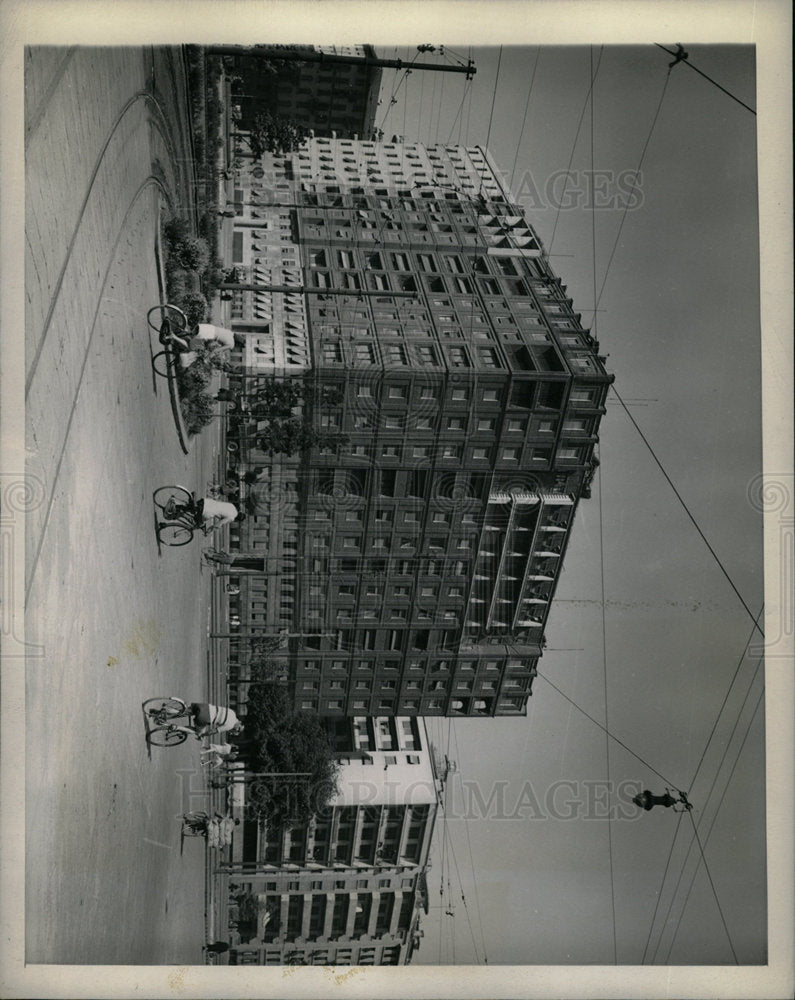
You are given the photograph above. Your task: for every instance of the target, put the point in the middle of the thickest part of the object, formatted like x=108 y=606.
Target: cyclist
x=207 y=333
x=215 y=513
x=207 y=512
x=207 y=719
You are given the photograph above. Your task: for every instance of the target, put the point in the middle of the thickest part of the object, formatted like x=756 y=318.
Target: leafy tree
x=277 y=397
x=283 y=740
x=286 y=436
x=271 y=133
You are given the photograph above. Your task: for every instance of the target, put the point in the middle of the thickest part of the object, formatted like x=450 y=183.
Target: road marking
x=157 y=843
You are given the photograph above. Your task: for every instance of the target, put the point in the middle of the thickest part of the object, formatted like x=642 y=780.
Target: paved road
x=116 y=620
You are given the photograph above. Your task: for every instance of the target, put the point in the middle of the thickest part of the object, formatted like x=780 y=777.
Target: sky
x=662 y=659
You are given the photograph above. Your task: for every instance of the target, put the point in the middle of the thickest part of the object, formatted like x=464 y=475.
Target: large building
x=329 y=97
x=349 y=887
x=413 y=567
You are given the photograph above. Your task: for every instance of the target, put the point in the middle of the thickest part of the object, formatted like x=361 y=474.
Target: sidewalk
x=216 y=884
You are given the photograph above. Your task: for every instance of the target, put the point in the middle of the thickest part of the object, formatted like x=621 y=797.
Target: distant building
x=415 y=566
x=349 y=887
x=327 y=97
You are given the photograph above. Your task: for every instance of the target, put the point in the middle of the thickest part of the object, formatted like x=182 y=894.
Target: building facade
x=327 y=97
x=423 y=553
x=349 y=887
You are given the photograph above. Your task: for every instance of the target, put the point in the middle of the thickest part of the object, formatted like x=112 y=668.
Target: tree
x=272 y=133
x=283 y=740
x=286 y=436
x=277 y=397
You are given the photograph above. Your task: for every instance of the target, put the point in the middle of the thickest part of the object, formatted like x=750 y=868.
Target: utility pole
x=281 y=55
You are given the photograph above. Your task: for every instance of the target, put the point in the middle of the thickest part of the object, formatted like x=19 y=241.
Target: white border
x=766 y=24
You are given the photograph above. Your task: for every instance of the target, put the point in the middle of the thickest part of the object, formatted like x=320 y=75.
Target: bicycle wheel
x=167 y=737
x=178 y=494
x=160 y=317
x=175 y=534
x=163 y=363
x=166 y=708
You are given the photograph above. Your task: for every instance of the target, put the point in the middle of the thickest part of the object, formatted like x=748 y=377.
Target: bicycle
x=163 y=712
x=182 y=515
x=172 y=331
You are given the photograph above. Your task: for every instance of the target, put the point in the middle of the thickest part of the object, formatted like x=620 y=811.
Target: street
x=111 y=620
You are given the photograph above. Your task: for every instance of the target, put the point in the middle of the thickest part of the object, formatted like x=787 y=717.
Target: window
x=396 y=354
x=510 y=454
x=332 y=354
x=458 y=357
x=459 y=395
x=488 y=357
x=426 y=355
x=365 y=354
x=486 y=425
x=576 y=426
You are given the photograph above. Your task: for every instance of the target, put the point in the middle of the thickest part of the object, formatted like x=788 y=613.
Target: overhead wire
x=464 y=900
x=593 y=202
x=607 y=720
x=620 y=742
x=726 y=697
x=494 y=97
x=433 y=108
x=714 y=819
x=712 y=884
x=629 y=198
x=660 y=891
x=573 y=150
x=707 y=800
x=687 y=510
x=393 y=96
x=472 y=863
x=469 y=113
x=458 y=113
x=602 y=553
x=715 y=83
x=708 y=796
x=439 y=116
x=524 y=117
